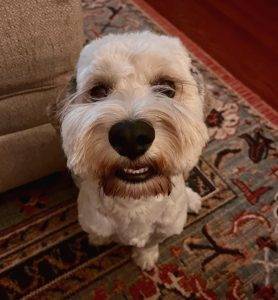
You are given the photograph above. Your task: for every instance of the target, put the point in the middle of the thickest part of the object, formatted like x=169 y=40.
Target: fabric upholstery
x=39 y=45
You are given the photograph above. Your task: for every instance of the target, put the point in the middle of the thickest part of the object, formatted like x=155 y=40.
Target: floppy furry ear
x=55 y=108
x=202 y=90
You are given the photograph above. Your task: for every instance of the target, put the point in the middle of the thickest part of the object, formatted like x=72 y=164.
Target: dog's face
x=137 y=115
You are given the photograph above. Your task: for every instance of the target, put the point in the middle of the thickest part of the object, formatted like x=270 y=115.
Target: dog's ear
x=54 y=109
x=202 y=90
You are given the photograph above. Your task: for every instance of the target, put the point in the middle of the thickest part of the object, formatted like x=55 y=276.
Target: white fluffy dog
x=132 y=129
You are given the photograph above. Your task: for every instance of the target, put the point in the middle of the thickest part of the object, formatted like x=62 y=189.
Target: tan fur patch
x=157 y=185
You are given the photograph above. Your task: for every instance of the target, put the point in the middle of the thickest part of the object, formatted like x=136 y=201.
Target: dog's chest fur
x=133 y=222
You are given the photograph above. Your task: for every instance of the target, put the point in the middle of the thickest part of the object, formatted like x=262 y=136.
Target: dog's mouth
x=136 y=174
x=136 y=181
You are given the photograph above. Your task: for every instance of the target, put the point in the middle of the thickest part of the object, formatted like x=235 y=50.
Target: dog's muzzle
x=131 y=138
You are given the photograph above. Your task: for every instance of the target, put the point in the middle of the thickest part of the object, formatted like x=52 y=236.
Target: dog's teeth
x=134 y=171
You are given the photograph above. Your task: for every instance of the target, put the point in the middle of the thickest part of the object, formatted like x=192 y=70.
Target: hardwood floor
x=241 y=35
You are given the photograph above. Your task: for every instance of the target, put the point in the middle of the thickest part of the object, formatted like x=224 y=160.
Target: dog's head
x=136 y=117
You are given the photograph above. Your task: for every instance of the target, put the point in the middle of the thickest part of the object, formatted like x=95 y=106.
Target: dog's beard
x=158 y=184
x=142 y=179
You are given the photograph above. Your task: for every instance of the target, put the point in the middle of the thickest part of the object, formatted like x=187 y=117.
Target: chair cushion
x=39 y=45
x=39 y=40
x=28 y=155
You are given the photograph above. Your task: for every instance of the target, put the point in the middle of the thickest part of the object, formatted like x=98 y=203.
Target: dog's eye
x=100 y=90
x=165 y=87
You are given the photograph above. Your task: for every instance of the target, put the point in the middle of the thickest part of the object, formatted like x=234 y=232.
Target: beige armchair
x=39 y=45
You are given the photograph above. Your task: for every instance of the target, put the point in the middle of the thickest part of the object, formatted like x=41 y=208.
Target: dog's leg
x=146 y=257
x=92 y=221
x=97 y=240
x=194 y=201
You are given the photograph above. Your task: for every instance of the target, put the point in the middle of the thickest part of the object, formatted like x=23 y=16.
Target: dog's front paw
x=146 y=258
x=98 y=240
x=194 y=202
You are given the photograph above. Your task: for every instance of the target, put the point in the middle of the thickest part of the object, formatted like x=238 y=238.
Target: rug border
x=241 y=89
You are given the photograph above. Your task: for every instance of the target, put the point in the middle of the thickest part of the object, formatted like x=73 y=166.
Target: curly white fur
x=139 y=215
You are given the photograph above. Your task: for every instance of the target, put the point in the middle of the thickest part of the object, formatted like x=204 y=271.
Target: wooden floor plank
x=240 y=35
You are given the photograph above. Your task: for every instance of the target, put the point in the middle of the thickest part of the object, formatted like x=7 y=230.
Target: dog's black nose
x=131 y=138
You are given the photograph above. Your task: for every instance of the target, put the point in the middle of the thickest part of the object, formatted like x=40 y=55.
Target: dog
x=132 y=128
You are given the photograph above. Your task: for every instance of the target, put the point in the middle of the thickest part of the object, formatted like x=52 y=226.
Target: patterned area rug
x=228 y=251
